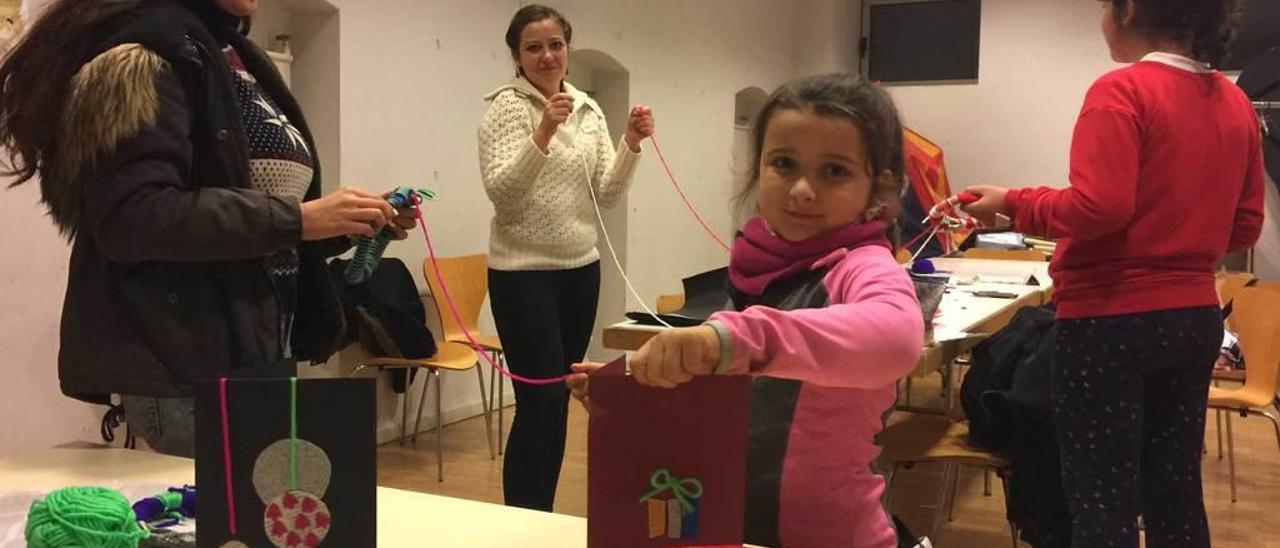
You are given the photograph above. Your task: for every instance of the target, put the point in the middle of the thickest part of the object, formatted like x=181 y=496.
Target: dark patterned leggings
x=1130 y=392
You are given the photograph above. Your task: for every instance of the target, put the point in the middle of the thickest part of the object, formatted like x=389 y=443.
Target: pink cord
x=680 y=191
x=913 y=241
x=457 y=316
x=226 y=456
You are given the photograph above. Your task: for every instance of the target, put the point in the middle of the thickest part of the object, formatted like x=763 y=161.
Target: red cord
x=457 y=316
x=226 y=455
x=680 y=191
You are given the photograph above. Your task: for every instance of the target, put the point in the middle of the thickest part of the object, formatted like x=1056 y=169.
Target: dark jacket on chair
x=151 y=181
x=1006 y=396
x=385 y=313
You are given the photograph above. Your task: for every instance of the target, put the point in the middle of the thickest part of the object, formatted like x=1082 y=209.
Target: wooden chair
x=669 y=303
x=467 y=278
x=1005 y=254
x=928 y=438
x=1256 y=322
x=1228 y=285
x=449 y=357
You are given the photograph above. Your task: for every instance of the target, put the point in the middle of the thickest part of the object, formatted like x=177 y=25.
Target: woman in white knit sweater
x=544 y=148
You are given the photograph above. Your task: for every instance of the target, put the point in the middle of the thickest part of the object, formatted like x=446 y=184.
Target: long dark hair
x=851 y=97
x=1205 y=27
x=35 y=79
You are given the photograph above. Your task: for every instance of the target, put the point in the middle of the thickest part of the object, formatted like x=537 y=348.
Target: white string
x=937 y=226
x=609 y=242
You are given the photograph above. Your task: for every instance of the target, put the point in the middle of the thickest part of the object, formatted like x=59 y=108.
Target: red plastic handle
x=967 y=197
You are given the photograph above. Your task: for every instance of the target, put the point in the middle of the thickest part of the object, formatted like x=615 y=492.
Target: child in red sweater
x=1166 y=178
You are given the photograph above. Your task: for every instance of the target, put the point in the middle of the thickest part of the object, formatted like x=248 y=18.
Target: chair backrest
x=1005 y=254
x=467 y=278
x=1229 y=284
x=670 y=303
x=1258 y=326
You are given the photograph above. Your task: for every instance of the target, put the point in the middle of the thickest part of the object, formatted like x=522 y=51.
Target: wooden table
x=404 y=518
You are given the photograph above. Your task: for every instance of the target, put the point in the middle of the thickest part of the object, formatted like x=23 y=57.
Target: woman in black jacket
x=172 y=155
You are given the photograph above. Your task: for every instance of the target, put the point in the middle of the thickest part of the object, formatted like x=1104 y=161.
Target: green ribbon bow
x=682 y=489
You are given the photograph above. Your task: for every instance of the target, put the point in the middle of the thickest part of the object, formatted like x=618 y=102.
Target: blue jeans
x=166 y=424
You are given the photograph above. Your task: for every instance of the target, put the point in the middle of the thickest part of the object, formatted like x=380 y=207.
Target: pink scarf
x=760 y=257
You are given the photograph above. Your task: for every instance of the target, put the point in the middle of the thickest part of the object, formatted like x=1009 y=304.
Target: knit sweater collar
x=526 y=88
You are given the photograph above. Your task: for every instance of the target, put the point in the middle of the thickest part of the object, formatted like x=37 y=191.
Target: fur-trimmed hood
x=112 y=97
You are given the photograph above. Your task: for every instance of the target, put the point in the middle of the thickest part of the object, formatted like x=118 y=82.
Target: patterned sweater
x=280 y=164
x=543 y=217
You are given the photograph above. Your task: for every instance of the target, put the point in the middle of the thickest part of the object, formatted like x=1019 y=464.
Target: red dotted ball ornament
x=296 y=519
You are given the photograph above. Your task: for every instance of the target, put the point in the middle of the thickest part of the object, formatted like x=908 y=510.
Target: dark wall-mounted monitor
x=921 y=41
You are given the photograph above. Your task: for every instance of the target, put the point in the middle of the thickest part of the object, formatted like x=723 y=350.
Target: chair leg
x=888 y=485
x=1218 y=418
x=955 y=487
x=1013 y=528
x=488 y=419
x=907 y=395
x=952 y=388
x=1231 y=457
x=439 y=428
x=404 y=417
x=1275 y=422
x=422 y=404
x=986 y=482
x=943 y=492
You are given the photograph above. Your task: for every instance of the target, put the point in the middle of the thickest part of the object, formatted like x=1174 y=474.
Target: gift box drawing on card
x=666 y=467
x=286 y=463
x=675 y=517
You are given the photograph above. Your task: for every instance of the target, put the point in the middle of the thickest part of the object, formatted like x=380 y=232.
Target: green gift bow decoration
x=682 y=489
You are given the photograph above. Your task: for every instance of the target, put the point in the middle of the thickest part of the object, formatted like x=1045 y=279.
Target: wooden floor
x=1252 y=522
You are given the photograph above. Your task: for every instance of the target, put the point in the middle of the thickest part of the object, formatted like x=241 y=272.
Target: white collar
x=1178 y=61
x=522 y=86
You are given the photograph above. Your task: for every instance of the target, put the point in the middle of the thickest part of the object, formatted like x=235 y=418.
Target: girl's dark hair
x=533 y=13
x=1205 y=27
x=35 y=79
x=870 y=108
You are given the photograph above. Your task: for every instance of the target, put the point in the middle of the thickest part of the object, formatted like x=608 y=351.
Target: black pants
x=1130 y=393
x=544 y=318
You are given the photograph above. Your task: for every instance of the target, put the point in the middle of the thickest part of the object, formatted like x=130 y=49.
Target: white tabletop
x=997 y=271
x=962 y=311
x=404 y=518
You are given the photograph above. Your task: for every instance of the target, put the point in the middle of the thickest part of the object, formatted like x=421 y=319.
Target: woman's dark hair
x=851 y=97
x=1205 y=27
x=35 y=79
x=533 y=13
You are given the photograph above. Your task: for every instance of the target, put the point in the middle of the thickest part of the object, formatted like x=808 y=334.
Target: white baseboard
x=389 y=430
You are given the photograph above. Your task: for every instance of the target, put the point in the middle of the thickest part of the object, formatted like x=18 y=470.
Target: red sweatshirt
x=1166 y=178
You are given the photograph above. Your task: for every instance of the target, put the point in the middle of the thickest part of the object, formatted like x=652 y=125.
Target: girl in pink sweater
x=826 y=320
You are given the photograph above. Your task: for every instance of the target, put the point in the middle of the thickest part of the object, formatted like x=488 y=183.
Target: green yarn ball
x=83 y=517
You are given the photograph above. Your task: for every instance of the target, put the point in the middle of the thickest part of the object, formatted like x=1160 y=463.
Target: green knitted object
x=83 y=517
